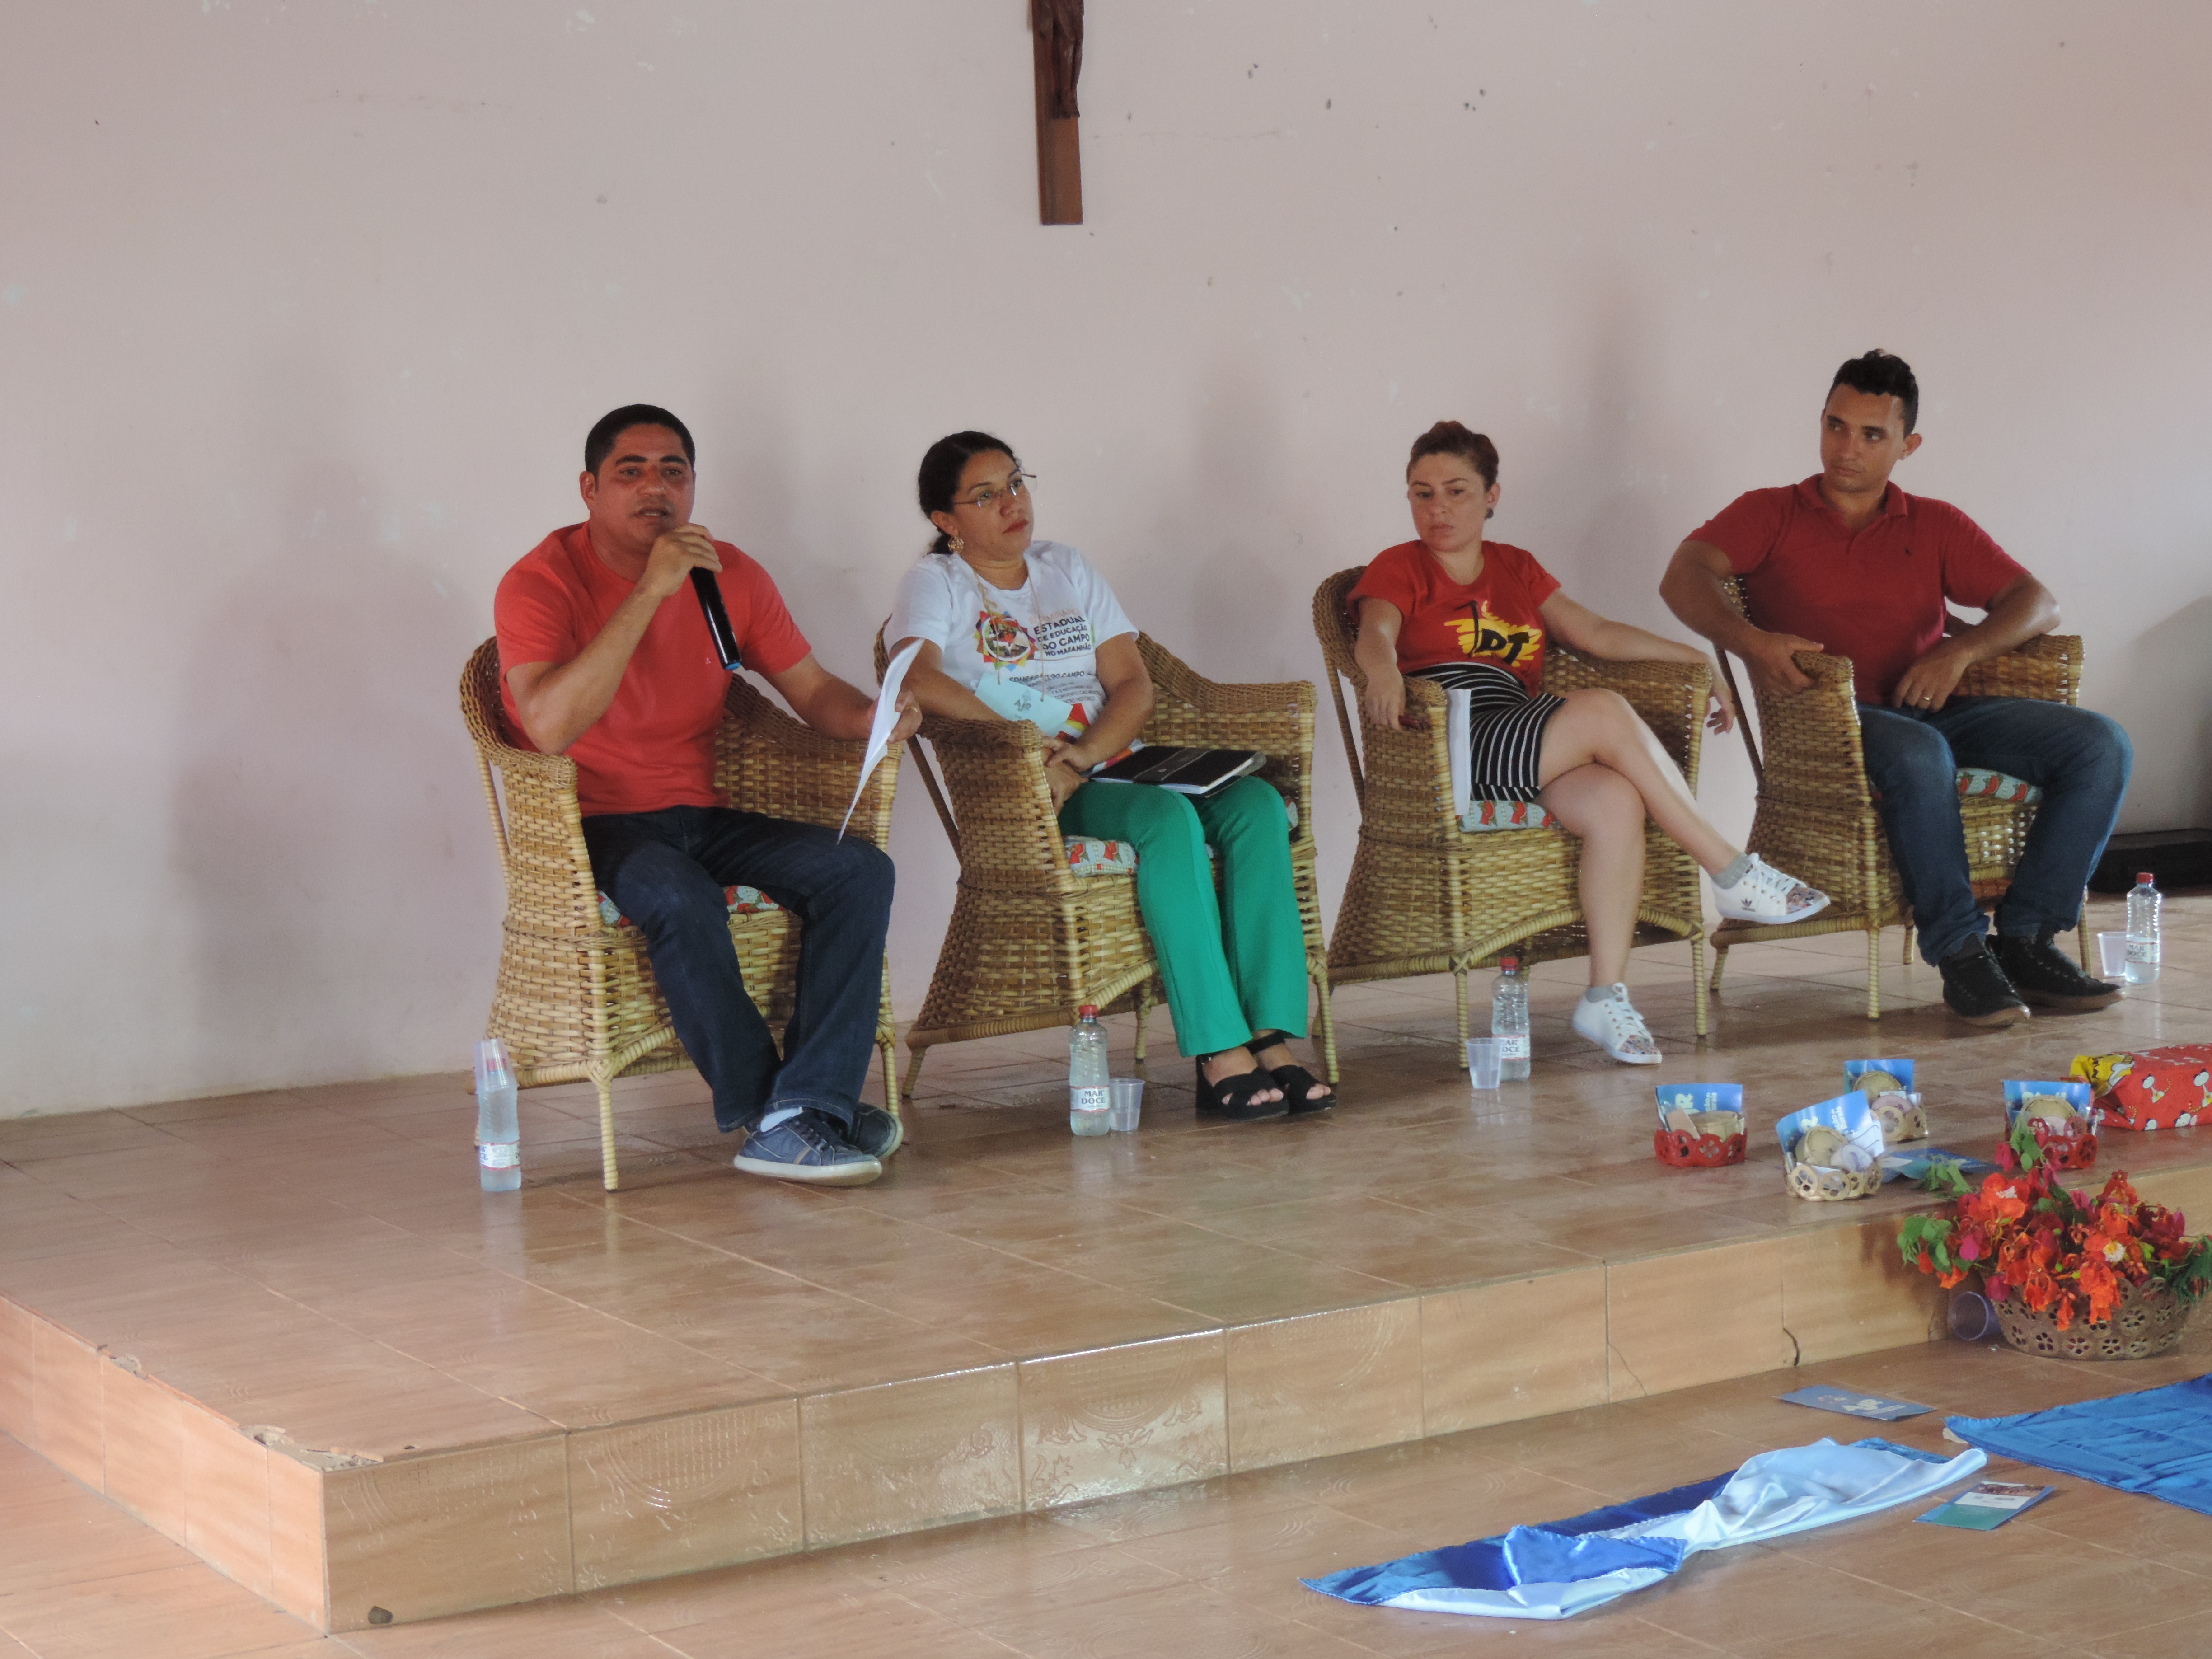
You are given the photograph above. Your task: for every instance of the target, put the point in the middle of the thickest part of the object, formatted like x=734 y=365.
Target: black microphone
x=718 y=617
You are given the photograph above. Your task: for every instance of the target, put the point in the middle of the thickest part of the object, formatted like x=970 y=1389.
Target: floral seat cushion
x=1087 y=856
x=741 y=901
x=1979 y=783
x=1486 y=815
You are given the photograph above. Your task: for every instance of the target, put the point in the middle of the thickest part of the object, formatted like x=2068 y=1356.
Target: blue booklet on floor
x=1851 y=1403
x=1987 y=1506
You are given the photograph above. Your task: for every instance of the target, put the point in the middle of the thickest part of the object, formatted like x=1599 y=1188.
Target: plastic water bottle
x=1509 y=1019
x=499 y=1133
x=1090 y=1102
x=2143 y=902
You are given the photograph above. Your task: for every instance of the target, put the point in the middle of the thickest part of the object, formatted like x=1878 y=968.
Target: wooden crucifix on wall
x=1056 y=30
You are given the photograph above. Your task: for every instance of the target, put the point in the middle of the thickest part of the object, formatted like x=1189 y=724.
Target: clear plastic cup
x=2112 y=954
x=1485 y=1060
x=1127 y=1100
x=1972 y=1317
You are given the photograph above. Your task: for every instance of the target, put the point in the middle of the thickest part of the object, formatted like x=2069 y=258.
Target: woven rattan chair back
x=1816 y=815
x=1029 y=941
x=575 y=998
x=1427 y=897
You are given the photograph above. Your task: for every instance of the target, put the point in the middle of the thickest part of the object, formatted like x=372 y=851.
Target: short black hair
x=939 y=480
x=600 y=442
x=1881 y=374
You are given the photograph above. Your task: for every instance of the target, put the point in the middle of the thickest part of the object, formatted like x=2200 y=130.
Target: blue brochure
x=1698 y=1097
x=2073 y=1091
x=1849 y=1116
x=1900 y=1068
x=1851 y=1403
x=1912 y=1165
x=1988 y=1506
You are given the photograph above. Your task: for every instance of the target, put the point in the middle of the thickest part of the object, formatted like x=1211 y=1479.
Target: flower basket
x=1821 y=1183
x=2146 y=1322
x=1686 y=1150
x=2072 y=1274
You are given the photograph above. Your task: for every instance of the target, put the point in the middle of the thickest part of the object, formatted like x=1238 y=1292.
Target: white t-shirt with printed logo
x=1043 y=635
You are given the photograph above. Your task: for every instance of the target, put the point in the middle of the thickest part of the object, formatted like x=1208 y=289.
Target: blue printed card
x=2073 y=1091
x=1698 y=1097
x=1899 y=1068
x=1851 y=1403
x=1016 y=701
x=1849 y=1116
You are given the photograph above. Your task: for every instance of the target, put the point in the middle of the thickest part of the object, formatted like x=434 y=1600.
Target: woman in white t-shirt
x=1015 y=629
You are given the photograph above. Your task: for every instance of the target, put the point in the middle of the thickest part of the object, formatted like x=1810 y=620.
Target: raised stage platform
x=287 y=1330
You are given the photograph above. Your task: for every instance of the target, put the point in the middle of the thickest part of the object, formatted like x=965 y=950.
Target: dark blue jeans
x=2080 y=762
x=665 y=871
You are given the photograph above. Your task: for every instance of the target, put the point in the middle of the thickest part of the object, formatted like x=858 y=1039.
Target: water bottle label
x=1089 y=1098
x=2142 y=950
x=1513 y=1046
x=500 y=1154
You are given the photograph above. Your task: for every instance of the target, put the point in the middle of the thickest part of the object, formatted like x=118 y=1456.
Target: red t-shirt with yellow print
x=1496 y=618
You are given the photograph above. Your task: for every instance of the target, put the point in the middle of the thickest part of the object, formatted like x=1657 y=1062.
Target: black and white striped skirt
x=1505 y=722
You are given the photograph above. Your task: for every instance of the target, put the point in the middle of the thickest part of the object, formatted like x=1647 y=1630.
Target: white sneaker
x=1615 y=1026
x=1765 y=895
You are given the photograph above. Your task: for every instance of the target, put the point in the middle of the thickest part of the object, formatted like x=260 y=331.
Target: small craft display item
x=1832 y=1151
x=1888 y=1087
x=2071 y=1277
x=2056 y=1118
x=2154 y=1089
x=1700 y=1125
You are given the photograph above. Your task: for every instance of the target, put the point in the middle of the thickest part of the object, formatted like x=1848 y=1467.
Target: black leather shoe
x=2046 y=976
x=1976 y=990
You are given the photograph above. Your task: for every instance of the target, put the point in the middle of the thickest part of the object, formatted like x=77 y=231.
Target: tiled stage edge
x=460 y=1527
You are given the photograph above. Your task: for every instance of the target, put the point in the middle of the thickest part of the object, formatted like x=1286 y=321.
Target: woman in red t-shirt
x=1477 y=617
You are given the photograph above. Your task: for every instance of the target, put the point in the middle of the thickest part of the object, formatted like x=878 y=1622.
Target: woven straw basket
x=1817 y=1182
x=2147 y=1324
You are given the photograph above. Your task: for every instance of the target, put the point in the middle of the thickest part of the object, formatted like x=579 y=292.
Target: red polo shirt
x=1876 y=595
x=655 y=746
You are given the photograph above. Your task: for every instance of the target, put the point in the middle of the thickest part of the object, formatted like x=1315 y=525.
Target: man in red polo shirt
x=605 y=657
x=1847 y=562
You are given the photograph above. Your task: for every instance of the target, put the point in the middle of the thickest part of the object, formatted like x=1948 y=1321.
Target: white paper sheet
x=887 y=716
x=1459 y=718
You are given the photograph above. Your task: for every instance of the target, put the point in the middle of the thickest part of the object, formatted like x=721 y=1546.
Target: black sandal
x=1231 y=1098
x=1296 y=1083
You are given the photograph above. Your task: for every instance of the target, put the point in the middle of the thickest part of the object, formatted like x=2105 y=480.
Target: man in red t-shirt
x=1847 y=562
x=606 y=657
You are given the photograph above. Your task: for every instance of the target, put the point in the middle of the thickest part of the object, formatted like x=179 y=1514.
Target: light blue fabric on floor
x=2158 y=1442
x=1566 y=1567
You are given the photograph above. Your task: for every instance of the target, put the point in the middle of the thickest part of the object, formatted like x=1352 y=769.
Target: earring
x=958 y=546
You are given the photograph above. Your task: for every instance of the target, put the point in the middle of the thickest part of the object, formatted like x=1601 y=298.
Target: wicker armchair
x=576 y=997
x=1031 y=940
x=1816 y=815
x=1427 y=897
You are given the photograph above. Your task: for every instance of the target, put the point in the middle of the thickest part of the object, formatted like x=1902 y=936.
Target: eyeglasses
x=1017 y=487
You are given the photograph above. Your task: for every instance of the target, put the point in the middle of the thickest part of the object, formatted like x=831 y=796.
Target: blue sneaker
x=875 y=1131
x=807 y=1148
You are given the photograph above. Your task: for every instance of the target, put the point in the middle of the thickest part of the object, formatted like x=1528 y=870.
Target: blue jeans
x=2080 y=762
x=665 y=871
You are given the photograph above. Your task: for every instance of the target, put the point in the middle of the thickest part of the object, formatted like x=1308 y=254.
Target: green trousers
x=1232 y=967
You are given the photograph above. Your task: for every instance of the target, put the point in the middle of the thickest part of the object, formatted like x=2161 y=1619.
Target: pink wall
x=305 y=308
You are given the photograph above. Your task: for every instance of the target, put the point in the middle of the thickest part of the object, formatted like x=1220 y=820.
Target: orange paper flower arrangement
x=2030 y=1238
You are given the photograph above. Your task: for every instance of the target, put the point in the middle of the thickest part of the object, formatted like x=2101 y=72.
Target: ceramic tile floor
x=1212 y=1569
x=321 y=1258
